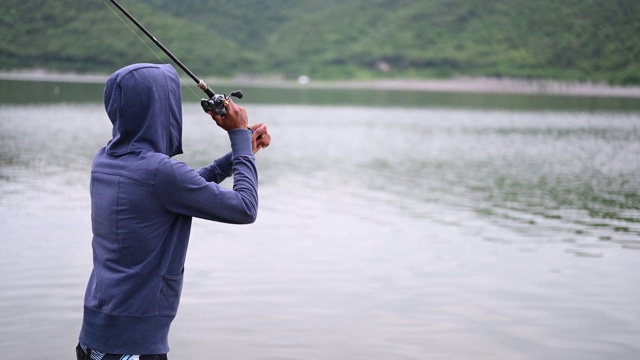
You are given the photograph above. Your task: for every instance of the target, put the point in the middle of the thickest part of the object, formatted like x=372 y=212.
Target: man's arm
x=222 y=168
x=218 y=170
x=185 y=191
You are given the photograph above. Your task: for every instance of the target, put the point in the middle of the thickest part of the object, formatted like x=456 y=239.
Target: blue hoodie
x=142 y=203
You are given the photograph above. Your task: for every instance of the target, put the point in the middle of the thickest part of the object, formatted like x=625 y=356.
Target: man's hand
x=260 y=138
x=236 y=117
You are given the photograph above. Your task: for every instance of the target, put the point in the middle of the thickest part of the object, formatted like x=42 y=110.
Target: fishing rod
x=216 y=103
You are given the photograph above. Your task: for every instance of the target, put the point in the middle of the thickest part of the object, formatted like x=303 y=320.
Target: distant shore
x=458 y=84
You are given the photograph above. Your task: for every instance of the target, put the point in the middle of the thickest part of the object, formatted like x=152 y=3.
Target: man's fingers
x=255 y=127
x=264 y=139
x=260 y=130
x=215 y=117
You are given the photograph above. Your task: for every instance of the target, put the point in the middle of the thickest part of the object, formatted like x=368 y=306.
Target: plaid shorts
x=84 y=353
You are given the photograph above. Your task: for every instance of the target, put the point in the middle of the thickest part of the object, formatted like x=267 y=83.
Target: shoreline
x=485 y=85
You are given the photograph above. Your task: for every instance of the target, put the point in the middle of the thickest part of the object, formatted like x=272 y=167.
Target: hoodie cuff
x=240 y=142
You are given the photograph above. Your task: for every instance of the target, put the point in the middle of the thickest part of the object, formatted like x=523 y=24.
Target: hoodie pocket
x=169 y=297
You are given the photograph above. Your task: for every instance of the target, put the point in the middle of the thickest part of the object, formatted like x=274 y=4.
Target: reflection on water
x=383 y=233
x=30 y=92
x=575 y=171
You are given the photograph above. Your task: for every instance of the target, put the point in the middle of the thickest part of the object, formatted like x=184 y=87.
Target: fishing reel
x=217 y=103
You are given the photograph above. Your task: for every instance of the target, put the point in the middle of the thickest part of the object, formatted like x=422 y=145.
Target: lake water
x=421 y=226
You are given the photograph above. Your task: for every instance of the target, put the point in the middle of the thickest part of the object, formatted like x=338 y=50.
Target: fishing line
x=216 y=103
x=145 y=44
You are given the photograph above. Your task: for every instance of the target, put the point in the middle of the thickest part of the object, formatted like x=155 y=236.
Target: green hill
x=569 y=40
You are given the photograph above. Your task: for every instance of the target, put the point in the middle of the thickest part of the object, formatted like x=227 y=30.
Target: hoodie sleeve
x=185 y=191
x=218 y=170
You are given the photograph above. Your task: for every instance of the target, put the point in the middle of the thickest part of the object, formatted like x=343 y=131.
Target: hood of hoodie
x=144 y=104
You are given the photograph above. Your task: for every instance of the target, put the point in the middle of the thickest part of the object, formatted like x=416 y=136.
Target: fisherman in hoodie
x=142 y=203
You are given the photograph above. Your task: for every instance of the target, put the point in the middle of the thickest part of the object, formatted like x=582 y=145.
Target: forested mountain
x=594 y=40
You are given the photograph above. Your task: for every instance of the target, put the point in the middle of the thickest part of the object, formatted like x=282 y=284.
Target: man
x=142 y=203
